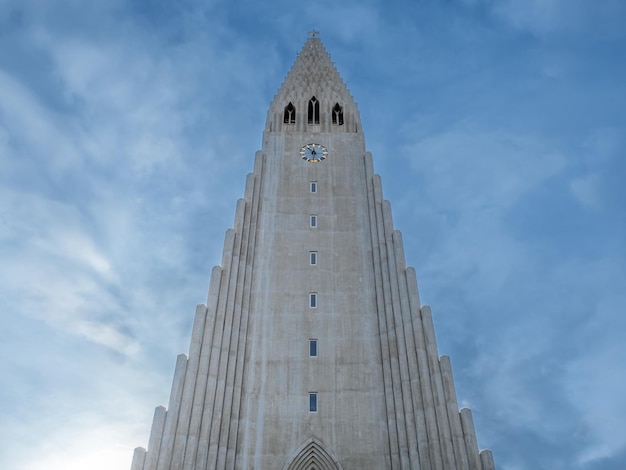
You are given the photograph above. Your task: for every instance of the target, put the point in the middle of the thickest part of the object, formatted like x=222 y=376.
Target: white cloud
x=538 y=15
x=94 y=428
x=117 y=190
x=364 y=21
x=586 y=191
x=33 y=130
x=476 y=168
x=543 y=17
x=602 y=144
x=138 y=90
x=592 y=382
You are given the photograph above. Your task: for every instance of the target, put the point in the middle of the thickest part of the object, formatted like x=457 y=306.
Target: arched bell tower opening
x=337 y=115
x=314 y=111
x=290 y=114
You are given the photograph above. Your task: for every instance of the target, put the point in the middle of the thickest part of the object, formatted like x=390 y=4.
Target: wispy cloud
x=472 y=168
x=126 y=131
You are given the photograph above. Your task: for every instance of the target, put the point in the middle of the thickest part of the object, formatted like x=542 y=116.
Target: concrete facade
x=242 y=398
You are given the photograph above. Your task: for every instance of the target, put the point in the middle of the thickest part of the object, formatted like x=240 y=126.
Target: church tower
x=313 y=351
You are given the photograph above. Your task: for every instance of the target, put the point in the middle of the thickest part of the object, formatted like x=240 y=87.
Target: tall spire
x=314 y=74
x=313 y=350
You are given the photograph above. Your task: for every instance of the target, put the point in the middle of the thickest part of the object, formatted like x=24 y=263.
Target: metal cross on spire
x=313 y=33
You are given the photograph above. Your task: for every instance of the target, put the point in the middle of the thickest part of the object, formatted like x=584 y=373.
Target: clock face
x=313 y=153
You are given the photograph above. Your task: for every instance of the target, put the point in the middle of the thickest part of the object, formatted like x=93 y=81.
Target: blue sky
x=126 y=132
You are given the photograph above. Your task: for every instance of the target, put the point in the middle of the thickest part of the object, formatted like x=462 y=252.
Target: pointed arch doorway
x=312 y=455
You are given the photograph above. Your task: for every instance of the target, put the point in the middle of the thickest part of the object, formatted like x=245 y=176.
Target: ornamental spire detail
x=313 y=75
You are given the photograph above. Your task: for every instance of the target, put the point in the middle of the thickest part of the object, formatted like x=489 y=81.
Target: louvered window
x=290 y=114
x=314 y=111
x=337 y=115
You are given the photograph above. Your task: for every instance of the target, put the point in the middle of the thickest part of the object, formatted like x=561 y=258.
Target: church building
x=313 y=351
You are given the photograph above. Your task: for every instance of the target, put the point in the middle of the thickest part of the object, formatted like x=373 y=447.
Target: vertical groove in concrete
x=245 y=309
x=184 y=380
x=171 y=418
x=411 y=298
x=218 y=443
x=214 y=392
x=382 y=330
x=418 y=448
x=243 y=302
x=139 y=457
x=241 y=449
x=156 y=434
x=469 y=436
x=406 y=419
x=179 y=377
x=223 y=394
x=432 y=426
x=458 y=443
x=201 y=336
x=486 y=459
x=432 y=440
x=387 y=312
x=211 y=343
x=404 y=334
x=441 y=411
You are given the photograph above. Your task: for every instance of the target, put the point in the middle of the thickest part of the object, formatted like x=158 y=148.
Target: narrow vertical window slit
x=313 y=402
